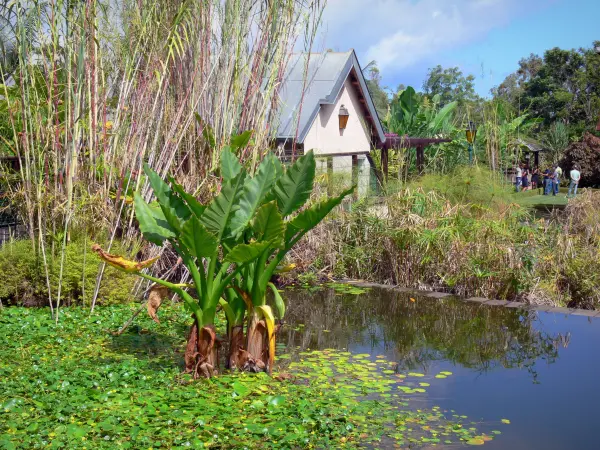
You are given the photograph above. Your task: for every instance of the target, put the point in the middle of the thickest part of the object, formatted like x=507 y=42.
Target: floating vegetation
x=74 y=385
x=341 y=289
x=378 y=401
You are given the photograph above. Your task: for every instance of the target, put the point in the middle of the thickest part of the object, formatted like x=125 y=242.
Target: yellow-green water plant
x=232 y=247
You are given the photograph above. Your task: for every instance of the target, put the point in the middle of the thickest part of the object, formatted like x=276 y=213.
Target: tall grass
x=464 y=234
x=103 y=86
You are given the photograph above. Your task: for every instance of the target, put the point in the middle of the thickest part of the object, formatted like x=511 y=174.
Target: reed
x=100 y=87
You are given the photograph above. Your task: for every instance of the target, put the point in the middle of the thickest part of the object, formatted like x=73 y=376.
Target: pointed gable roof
x=326 y=75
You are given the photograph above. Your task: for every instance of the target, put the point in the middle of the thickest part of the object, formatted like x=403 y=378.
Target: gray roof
x=326 y=75
x=530 y=145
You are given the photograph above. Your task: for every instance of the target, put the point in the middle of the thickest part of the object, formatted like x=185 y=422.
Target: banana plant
x=232 y=247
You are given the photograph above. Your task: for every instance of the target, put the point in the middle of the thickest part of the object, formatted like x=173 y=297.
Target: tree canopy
x=562 y=86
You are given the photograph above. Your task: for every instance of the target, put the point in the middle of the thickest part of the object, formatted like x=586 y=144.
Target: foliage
x=99 y=88
x=233 y=246
x=468 y=185
x=73 y=385
x=377 y=92
x=465 y=234
x=414 y=115
x=562 y=86
x=586 y=155
x=556 y=140
x=24 y=281
x=450 y=85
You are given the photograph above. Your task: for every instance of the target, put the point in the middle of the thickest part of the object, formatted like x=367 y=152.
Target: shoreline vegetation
x=465 y=233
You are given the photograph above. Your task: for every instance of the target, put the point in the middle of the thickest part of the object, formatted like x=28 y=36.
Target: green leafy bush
x=24 y=277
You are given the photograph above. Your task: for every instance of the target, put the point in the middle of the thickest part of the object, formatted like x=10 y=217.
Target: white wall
x=325 y=136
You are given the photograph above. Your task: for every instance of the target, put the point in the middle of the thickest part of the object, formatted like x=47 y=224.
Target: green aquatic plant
x=73 y=385
x=232 y=247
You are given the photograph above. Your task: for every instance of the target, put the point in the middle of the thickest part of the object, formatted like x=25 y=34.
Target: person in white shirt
x=519 y=177
x=575 y=177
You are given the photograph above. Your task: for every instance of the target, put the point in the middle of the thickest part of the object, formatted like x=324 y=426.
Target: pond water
x=538 y=370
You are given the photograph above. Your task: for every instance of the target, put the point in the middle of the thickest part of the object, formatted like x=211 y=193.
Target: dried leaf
x=121 y=263
x=155 y=298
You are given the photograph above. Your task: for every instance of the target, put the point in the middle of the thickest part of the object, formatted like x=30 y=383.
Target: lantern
x=343 y=115
x=471 y=132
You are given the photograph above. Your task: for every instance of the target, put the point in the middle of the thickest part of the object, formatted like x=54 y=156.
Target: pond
x=537 y=370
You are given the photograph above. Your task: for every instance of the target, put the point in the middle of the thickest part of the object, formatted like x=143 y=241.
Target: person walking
x=575 y=177
x=557 y=176
x=519 y=177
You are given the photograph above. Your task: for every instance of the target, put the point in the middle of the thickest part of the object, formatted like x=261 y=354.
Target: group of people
x=527 y=179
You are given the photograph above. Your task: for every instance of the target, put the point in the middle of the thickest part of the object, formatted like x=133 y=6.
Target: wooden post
x=536 y=159
x=355 y=175
x=420 y=159
x=330 y=176
x=385 y=162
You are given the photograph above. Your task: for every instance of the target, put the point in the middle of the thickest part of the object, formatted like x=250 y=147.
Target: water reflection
x=416 y=332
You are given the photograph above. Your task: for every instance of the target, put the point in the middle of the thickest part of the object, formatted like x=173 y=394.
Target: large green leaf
x=436 y=125
x=255 y=192
x=221 y=209
x=175 y=210
x=278 y=300
x=241 y=140
x=153 y=230
x=268 y=224
x=245 y=253
x=197 y=239
x=294 y=187
x=230 y=166
x=310 y=218
x=195 y=206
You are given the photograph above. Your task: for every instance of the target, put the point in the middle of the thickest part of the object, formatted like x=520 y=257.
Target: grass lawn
x=544 y=200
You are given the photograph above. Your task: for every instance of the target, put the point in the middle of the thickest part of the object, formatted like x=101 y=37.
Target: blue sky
x=483 y=37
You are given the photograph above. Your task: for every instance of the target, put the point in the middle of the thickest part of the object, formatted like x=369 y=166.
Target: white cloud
x=401 y=33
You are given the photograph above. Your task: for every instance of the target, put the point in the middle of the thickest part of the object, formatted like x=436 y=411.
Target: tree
x=562 y=86
x=451 y=85
x=378 y=94
x=556 y=139
x=231 y=247
x=586 y=154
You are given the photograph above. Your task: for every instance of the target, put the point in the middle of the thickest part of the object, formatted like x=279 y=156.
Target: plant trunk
x=201 y=353
x=257 y=345
x=237 y=353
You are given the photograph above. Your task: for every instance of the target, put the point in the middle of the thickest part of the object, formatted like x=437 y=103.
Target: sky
x=485 y=38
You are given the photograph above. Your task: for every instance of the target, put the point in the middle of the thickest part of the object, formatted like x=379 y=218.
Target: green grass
x=543 y=200
x=76 y=386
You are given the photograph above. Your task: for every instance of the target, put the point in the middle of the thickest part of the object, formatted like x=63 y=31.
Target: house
x=325 y=106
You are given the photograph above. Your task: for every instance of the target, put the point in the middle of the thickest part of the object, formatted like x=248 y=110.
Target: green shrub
x=24 y=277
